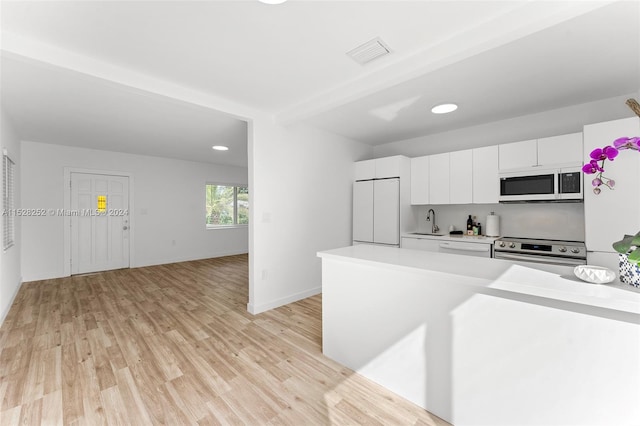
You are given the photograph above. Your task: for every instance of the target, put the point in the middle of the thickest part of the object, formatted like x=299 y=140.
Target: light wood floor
x=173 y=344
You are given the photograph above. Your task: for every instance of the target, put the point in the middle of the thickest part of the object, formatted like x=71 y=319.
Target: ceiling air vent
x=369 y=51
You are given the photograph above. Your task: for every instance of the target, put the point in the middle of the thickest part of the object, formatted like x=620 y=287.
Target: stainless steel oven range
x=535 y=252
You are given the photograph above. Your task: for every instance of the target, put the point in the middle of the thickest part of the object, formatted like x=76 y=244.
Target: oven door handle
x=539 y=259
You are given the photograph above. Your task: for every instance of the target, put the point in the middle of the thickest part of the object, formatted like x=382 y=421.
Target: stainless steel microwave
x=558 y=184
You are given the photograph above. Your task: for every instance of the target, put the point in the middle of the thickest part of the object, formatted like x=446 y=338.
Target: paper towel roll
x=492 y=226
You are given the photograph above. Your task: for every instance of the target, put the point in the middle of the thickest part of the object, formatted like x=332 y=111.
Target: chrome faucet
x=434 y=227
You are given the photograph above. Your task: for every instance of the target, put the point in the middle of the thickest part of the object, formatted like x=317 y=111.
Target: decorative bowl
x=594 y=274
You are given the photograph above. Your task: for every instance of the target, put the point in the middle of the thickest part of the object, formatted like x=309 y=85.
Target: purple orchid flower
x=597 y=154
x=627 y=143
x=606 y=153
x=592 y=167
x=610 y=152
x=598 y=157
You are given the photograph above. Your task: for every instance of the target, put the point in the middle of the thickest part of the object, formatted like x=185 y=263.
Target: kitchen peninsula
x=483 y=341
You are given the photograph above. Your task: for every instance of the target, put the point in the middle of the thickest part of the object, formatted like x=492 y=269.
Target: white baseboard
x=153 y=262
x=3 y=314
x=256 y=309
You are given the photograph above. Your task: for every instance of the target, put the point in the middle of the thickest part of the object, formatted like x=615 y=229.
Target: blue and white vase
x=629 y=273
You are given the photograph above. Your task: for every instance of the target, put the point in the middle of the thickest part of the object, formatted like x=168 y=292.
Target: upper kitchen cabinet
x=446 y=178
x=612 y=213
x=439 y=179
x=420 y=180
x=390 y=166
x=518 y=155
x=485 y=175
x=380 y=168
x=563 y=150
x=365 y=170
x=461 y=177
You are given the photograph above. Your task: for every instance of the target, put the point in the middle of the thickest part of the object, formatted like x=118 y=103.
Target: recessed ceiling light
x=220 y=148
x=272 y=1
x=444 y=108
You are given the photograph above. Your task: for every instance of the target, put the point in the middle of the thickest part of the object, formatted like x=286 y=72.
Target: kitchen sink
x=427 y=233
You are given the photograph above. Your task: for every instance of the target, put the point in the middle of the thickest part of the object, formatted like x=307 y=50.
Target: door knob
x=125 y=228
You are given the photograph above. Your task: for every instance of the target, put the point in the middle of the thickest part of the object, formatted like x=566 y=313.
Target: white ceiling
x=588 y=58
x=62 y=107
x=497 y=59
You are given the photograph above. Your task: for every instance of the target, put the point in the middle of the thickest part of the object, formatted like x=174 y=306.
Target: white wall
x=549 y=123
x=299 y=180
x=10 y=279
x=301 y=187
x=167 y=205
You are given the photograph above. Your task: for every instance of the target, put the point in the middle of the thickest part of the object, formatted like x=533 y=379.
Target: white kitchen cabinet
x=420 y=180
x=386 y=208
x=381 y=200
x=420 y=244
x=439 y=181
x=379 y=168
x=485 y=175
x=461 y=177
x=376 y=211
x=364 y=170
x=442 y=178
x=613 y=213
x=518 y=155
x=563 y=150
x=387 y=167
x=459 y=247
x=363 y=211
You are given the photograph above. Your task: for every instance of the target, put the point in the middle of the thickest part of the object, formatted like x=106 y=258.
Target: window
x=226 y=205
x=8 y=201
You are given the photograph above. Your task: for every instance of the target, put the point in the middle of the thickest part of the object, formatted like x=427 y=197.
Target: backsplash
x=558 y=221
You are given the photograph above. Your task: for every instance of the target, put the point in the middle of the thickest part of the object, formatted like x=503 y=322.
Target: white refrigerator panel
x=363 y=211
x=386 y=211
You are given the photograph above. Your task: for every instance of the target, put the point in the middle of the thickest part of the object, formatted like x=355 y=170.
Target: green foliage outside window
x=243 y=205
x=227 y=205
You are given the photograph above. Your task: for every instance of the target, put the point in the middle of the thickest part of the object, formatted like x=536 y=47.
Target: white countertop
x=496 y=274
x=446 y=237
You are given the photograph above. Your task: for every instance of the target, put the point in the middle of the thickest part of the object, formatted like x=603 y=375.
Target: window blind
x=8 y=199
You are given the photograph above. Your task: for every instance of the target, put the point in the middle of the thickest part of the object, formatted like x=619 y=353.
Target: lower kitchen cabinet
x=448 y=245
x=420 y=244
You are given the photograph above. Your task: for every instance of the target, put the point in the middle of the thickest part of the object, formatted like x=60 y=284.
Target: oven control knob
x=562 y=249
x=512 y=245
x=501 y=244
x=575 y=250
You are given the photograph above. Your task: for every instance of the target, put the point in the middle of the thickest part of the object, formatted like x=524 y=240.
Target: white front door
x=99 y=222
